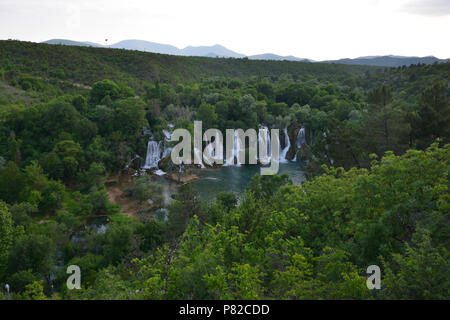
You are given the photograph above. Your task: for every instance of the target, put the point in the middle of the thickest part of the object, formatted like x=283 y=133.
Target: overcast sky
x=315 y=29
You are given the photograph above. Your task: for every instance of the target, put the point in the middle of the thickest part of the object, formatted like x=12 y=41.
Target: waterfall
x=153 y=154
x=167 y=134
x=197 y=153
x=236 y=146
x=166 y=152
x=156 y=152
x=261 y=137
x=301 y=139
x=136 y=156
x=287 y=146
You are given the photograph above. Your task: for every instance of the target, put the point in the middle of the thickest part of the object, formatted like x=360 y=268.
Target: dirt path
x=115 y=187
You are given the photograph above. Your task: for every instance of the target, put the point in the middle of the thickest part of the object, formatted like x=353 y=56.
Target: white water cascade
x=166 y=152
x=167 y=134
x=156 y=151
x=153 y=154
x=301 y=137
x=287 y=146
x=261 y=137
x=199 y=156
x=236 y=146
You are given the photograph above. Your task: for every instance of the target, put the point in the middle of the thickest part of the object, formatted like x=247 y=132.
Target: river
x=211 y=181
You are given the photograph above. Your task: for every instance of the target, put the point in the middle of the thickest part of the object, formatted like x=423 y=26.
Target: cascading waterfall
x=167 y=134
x=153 y=154
x=301 y=138
x=166 y=152
x=287 y=146
x=197 y=154
x=262 y=137
x=236 y=146
x=156 y=150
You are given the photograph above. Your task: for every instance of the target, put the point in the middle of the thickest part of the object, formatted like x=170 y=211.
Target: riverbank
x=115 y=188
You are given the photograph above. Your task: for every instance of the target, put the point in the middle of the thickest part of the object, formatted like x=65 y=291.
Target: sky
x=315 y=29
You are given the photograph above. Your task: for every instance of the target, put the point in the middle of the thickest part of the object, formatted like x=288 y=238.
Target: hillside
x=388 y=61
x=88 y=64
x=271 y=56
x=219 y=51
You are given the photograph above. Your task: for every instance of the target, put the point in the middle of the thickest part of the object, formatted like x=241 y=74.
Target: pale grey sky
x=315 y=29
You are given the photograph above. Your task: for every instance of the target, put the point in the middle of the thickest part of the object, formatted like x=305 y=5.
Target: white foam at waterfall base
x=159 y=172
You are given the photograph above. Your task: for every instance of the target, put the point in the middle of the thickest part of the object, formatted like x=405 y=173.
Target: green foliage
x=12 y=183
x=144 y=188
x=289 y=243
x=34 y=291
x=434 y=114
x=6 y=236
x=421 y=272
x=103 y=91
x=207 y=114
x=381 y=198
x=31 y=252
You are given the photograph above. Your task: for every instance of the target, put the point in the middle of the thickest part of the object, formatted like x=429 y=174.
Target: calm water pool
x=236 y=179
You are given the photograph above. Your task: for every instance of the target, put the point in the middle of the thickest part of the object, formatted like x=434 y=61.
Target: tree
x=71 y=155
x=434 y=115
x=385 y=128
x=420 y=273
x=31 y=252
x=130 y=117
x=12 y=183
x=381 y=96
x=102 y=89
x=80 y=103
x=144 y=188
x=242 y=283
x=206 y=113
x=185 y=205
x=34 y=291
x=6 y=235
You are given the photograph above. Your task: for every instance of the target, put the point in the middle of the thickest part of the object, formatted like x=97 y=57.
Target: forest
x=376 y=154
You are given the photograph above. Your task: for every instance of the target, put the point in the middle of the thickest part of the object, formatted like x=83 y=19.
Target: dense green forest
x=378 y=162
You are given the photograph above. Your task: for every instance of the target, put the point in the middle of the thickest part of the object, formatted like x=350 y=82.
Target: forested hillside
x=87 y=65
x=376 y=147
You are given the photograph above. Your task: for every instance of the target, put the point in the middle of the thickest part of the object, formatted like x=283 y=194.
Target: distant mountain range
x=222 y=52
x=388 y=61
x=147 y=46
x=271 y=56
